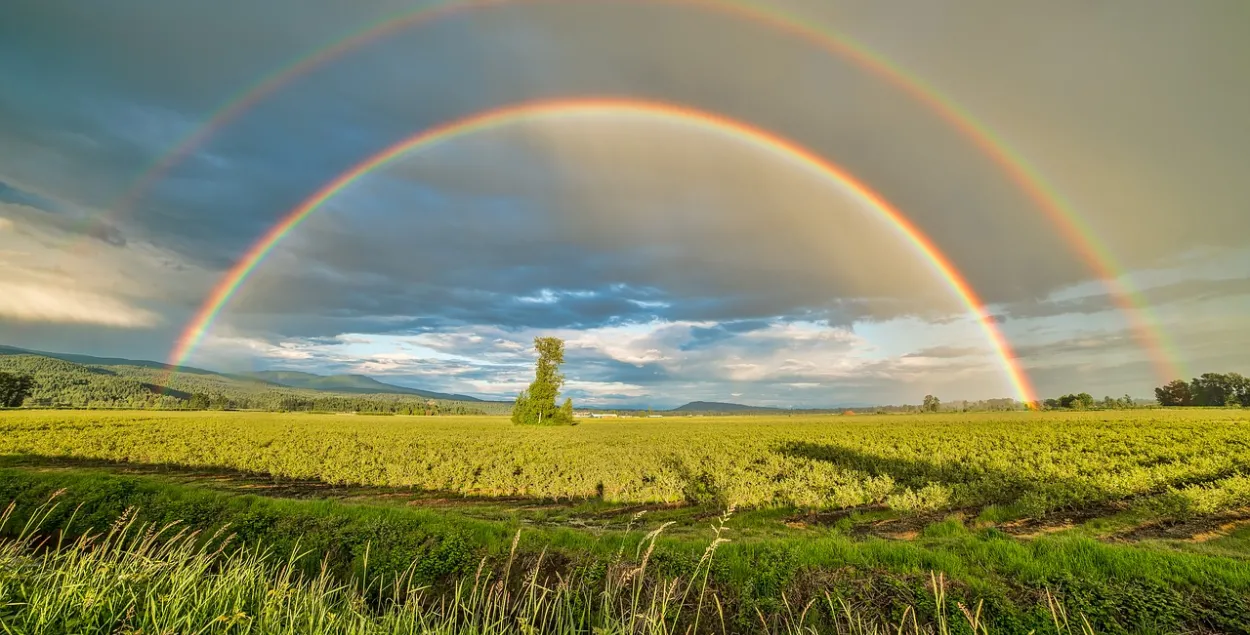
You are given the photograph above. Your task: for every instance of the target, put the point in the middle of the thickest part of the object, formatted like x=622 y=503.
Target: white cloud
x=45 y=303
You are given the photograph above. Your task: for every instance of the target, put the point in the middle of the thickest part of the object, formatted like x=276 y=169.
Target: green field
x=1136 y=520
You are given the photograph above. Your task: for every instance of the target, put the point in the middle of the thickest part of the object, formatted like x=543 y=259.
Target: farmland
x=1135 y=519
x=1023 y=463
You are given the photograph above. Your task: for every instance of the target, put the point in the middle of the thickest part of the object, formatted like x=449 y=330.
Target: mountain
x=716 y=406
x=88 y=360
x=351 y=384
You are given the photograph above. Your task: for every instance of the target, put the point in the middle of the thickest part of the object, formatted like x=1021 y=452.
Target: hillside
x=350 y=384
x=88 y=360
x=716 y=406
x=82 y=381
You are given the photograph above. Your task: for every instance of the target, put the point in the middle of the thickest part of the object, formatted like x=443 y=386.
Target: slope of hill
x=716 y=406
x=351 y=384
x=97 y=382
x=88 y=360
x=63 y=383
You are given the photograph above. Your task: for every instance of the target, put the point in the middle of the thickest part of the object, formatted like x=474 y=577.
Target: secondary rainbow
x=234 y=278
x=1076 y=232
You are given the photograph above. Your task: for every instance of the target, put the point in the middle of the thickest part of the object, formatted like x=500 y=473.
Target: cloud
x=945 y=352
x=34 y=303
x=681 y=260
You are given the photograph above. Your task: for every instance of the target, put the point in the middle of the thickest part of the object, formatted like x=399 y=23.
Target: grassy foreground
x=1091 y=534
x=141 y=578
x=1119 y=588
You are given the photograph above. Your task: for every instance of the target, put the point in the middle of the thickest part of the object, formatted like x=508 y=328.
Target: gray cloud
x=623 y=221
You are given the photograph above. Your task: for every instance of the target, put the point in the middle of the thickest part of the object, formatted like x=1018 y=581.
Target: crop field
x=1137 y=521
x=1020 y=463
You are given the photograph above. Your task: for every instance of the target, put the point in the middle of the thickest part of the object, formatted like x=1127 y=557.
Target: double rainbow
x=497 y=118
x=1059 y=211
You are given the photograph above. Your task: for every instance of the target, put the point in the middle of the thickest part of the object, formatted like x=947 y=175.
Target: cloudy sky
x=677 y=261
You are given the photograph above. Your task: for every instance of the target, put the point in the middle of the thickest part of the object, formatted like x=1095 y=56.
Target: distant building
x=604 y=415
x=655 y=416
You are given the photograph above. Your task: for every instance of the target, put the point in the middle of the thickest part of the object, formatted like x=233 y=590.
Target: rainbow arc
x=556 y=109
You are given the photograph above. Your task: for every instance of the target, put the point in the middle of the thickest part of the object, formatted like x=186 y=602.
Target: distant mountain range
x=353 y=384
x=718 y=406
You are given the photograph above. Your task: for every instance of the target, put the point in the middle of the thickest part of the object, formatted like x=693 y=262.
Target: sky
x=679 y=262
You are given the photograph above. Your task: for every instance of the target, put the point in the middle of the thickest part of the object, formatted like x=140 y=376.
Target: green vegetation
x=1024 y=463
x=537 y=404
x=1134 y=520
x=14 y=389
x=128 y=384
x=137 y=576
x=1210 y=390
x=1118 y=587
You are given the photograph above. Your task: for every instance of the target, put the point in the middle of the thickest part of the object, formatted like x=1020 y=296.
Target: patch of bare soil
x=905 y=527
x=1202 y=529
x=1059 y=521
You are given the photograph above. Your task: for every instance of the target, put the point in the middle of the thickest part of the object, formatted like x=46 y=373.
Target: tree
x=14 y=389
x=537 y=404
x=1084 y=401
x=1110 y=403
x=1175 y=393
x=931 y=403
x=198 y=401
x=1211 y=389
x=1239 y=387
x=1127 y=402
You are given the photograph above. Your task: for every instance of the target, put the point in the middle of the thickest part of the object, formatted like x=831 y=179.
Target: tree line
x=1211 y=390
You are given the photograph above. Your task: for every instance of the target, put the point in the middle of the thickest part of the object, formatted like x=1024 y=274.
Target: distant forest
x=58 y=383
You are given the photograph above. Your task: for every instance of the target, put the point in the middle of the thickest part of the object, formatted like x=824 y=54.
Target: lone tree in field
x=537 y=404
x=931 y=403
x=14 y=389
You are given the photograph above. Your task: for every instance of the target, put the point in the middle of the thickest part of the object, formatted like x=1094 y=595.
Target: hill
x=82 y=381
x=717 y=406
x=350 y=384
x=88 y=360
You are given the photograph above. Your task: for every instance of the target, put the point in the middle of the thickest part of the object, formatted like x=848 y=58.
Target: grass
x=1121 y=588
x=136 y=578
x=1110 y=506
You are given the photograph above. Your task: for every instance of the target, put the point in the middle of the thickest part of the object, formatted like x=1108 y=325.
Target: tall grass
x=138 y=578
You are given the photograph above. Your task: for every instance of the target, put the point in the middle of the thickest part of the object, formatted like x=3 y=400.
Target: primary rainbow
x=490 y=119
x=1075 y=231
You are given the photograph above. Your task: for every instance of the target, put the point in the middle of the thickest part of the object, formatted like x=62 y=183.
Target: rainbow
x=1061 y=213
x=491 y=119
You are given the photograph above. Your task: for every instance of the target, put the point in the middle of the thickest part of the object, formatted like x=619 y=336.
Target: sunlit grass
x=140 y=578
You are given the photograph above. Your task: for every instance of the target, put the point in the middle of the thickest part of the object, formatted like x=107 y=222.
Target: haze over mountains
x=354 y=384
x=349 y=384
x=86 y=380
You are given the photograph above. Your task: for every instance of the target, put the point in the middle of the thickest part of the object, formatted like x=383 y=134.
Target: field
x=1136 y=520
x=1027 y=463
